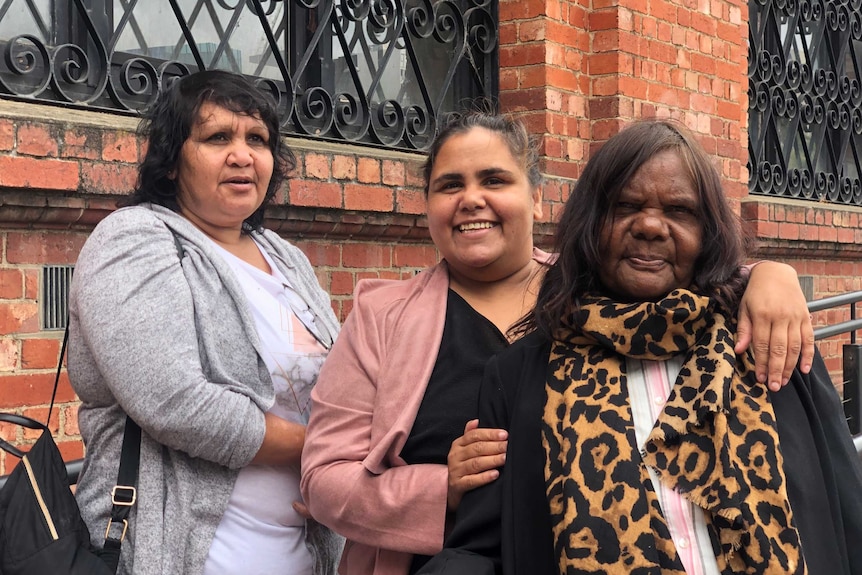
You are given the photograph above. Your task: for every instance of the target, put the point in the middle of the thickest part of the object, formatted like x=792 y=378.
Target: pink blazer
x=363 y=408
x=362 y=411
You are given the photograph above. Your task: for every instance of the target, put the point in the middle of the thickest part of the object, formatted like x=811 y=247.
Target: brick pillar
x=577 y=72
x=544 y=78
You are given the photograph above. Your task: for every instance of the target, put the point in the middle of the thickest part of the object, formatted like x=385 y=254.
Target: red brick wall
x=28 y=355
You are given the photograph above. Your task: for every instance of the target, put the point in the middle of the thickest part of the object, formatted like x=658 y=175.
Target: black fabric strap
x=124 y=495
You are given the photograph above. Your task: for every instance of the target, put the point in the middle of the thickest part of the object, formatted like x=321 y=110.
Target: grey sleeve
x=135 y=314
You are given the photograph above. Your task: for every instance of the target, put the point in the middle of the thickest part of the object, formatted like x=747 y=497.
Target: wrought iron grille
x=805 y=99
x=378 y=72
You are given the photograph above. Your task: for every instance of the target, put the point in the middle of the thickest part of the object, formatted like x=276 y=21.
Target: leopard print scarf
x=715 y=442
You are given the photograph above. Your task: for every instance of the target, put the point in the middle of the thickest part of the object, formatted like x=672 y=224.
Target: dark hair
x=168 y=124
x=575 y=271
x=521 y=145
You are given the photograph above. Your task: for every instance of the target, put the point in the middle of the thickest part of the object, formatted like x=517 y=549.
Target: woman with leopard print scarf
x=639 y=441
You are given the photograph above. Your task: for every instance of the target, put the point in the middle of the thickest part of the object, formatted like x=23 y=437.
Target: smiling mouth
x=476 y=226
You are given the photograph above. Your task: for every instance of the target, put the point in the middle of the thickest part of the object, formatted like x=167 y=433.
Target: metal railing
x=852 y=357
x=851 y=326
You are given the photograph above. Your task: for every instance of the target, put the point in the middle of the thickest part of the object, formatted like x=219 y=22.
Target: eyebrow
x=457 y=176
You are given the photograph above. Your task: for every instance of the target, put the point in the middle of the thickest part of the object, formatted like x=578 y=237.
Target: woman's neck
x=235 y=242
x=503 y=301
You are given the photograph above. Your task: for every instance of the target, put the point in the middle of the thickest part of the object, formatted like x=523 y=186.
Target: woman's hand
x=302 y=510
x=474 y=459
x=774 y=321
x=282 y=443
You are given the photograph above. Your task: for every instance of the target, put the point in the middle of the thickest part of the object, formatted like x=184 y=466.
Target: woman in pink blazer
x=392 y=444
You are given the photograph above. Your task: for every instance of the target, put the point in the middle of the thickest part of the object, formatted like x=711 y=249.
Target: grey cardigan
x=171 y=343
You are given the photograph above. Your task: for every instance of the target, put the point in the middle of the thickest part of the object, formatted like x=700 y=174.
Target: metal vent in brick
x=55 y=296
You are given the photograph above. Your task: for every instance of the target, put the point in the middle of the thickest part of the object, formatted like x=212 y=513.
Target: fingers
x=780 y=353
x=774 y=322
x=476 y=456
x=763 y=346
x=806 y=359
x=479 y=465
x=472 y=424
x=479 y=435
x=300 y=508
x=780 y=347
x=743 y=331
x=473 y=460
x=470 y=482
x=457 y=489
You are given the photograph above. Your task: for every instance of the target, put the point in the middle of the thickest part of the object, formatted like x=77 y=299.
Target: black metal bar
x=852 y=365
x=851 y=357
x=804 y=114
x=835 y=301
x=837 y=329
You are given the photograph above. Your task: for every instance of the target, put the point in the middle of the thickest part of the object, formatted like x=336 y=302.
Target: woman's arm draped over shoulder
x=135 y=313
x=347 y=482
x=774 y=321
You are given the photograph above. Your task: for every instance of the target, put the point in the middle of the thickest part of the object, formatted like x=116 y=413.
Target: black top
x=450 y=401
x=505 y=526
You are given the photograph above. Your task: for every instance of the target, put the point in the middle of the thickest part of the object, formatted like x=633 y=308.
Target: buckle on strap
x=128 y=494
x=125 y=528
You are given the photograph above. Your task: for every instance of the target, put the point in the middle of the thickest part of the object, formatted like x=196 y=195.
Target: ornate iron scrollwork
x=805 y=99
x=378 y=72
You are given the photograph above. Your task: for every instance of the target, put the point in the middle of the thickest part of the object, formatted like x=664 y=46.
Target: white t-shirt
x=260 y=533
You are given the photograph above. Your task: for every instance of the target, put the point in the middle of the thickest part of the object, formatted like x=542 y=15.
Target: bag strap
x=23 y=421
x=124 y=495
x=59 y=369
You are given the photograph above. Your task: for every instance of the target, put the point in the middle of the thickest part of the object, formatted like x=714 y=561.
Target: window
x=805 y=99
x=378 y=72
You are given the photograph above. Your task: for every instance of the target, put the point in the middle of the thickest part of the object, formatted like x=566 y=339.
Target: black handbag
x=41 y=529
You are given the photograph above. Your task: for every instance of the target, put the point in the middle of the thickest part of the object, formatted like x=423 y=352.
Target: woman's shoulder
x=141 y=214
x=429 y=284
x=130 y=227
x=543 y=257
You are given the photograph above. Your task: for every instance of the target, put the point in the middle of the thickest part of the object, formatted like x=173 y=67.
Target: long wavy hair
x=169 y=123
x=588 y=209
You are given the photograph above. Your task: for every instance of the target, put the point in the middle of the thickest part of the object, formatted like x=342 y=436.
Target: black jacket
x=504 y=527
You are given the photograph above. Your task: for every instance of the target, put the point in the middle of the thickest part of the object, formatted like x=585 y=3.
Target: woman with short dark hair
x=208 y=331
